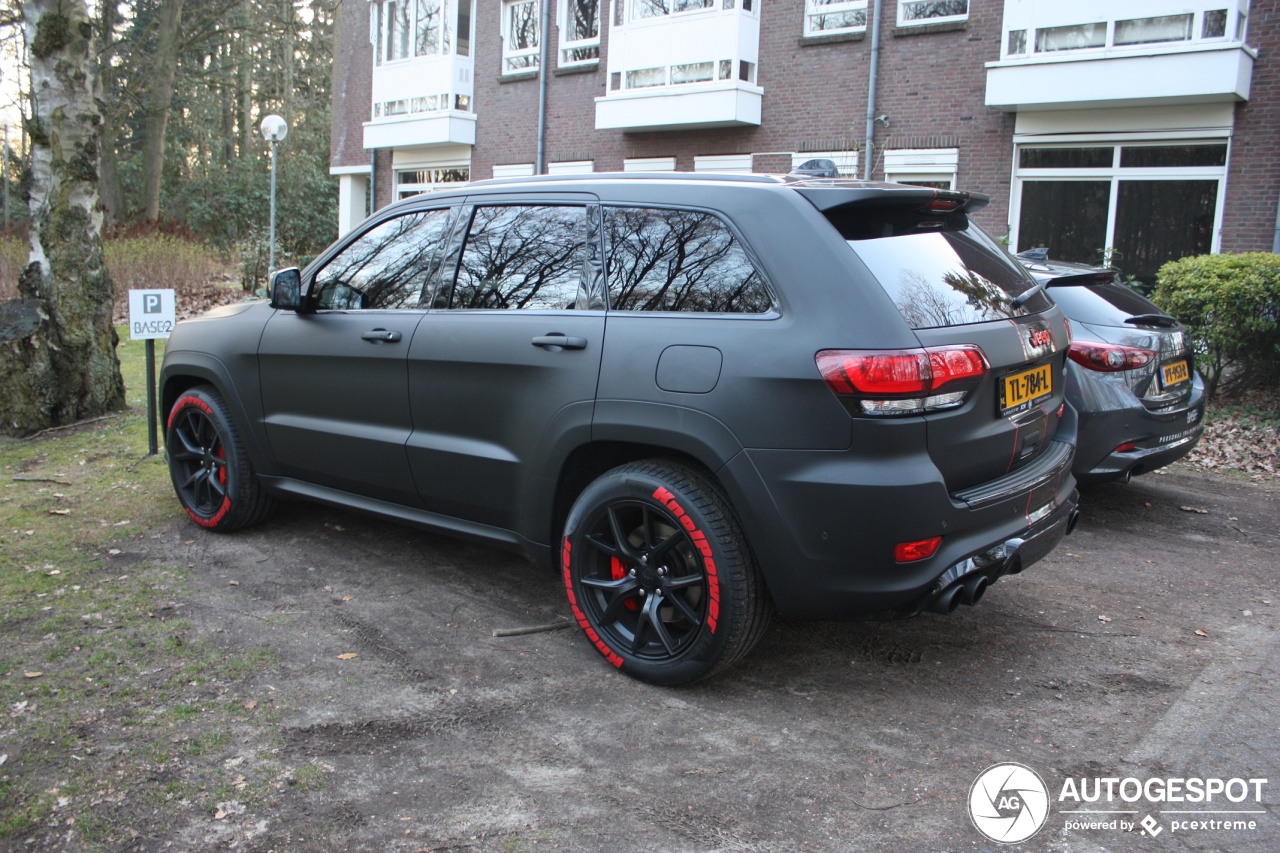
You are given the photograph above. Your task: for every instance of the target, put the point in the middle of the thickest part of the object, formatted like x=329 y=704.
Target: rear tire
x=208 y=465
x=659 y=576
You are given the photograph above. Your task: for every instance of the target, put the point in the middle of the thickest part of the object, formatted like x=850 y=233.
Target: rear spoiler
x=832 y=195
x=1082 y=278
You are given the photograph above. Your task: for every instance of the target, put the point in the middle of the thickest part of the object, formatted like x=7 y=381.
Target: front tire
x=208 y=465
x=659 y=576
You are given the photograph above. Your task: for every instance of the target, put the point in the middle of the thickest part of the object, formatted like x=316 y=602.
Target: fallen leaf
x=115 y=552
x=347 y=597
x=33 y=674
x=348 y=656
x=1194 y=509
x=250 y=705
x=233 y=583
x=1200 y=633
x=56 y=572
x=59 y=512
x=29 y=532
x=1102 y=618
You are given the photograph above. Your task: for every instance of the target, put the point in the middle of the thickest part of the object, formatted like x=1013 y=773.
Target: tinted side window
x=386 y=267
x=522 y=256
x=679 y=260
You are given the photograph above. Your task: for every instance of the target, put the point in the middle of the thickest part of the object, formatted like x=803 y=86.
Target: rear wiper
x=1021 y=299
x=1152 y=320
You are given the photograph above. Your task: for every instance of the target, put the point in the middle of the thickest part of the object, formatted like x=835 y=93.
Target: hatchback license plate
x=1024 y=389
x=1175 y=372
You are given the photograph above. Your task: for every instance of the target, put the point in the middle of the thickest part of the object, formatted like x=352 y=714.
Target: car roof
x=824 y=193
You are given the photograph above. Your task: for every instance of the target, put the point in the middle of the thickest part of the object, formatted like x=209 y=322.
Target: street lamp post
x=274 y=130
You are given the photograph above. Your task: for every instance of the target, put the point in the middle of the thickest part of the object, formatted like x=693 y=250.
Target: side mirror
x=286 y=289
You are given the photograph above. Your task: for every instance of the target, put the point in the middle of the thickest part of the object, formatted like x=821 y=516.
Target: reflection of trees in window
x=386 y=267
x=522 y=35
x=583 y=24
x=679 y=260
x=522 y=257
x=428 y=41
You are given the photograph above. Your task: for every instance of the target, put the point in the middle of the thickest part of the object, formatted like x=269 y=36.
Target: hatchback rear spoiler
x=830 y=195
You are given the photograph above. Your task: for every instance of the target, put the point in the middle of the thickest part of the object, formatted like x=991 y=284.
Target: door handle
x=379 y=336
x=557 y=341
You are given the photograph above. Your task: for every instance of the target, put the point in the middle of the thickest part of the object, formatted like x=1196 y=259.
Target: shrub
x=1230 y=305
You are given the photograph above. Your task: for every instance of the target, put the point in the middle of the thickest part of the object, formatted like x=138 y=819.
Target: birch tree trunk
x=57 y=345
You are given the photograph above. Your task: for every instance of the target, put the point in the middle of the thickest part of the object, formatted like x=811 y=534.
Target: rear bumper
x=824 y=525
x=1160 y=437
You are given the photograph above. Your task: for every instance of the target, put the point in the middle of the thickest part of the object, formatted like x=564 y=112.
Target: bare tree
x=59 y=361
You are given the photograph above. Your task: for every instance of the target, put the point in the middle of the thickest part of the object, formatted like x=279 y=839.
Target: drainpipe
x=869 y=146
x=543 y=38
x=373 y=181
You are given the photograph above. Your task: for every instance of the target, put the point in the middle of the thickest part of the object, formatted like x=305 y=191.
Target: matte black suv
x=699 y=398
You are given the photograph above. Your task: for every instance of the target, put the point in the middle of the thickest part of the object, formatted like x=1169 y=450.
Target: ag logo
x=1008 y=803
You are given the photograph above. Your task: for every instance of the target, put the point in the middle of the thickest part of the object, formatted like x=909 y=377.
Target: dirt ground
x=1144 y=647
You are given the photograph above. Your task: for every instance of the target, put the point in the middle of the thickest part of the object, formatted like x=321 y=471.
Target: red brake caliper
x=619 y=572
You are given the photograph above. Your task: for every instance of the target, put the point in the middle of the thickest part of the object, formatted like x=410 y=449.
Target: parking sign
x=152 y=314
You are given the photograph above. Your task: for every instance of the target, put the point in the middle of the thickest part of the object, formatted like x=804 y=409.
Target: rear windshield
x=950 y=277
x=1101 y=304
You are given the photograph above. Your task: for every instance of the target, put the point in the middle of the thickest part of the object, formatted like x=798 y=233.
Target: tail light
x=904 y=382
x=1108 y=358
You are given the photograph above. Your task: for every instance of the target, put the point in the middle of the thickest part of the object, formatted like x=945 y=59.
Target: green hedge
x=1230 y=304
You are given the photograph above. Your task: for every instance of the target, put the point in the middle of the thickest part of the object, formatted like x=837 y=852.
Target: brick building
x=1148 y=128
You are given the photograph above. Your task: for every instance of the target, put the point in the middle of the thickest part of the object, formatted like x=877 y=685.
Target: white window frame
x=903 y=21
x=922 y=164
x=513 y=170
x=817 y=9
x=437 y=182
x=1116 y=173
x=649 y=164
x=567 y=46
x=846 y=161
x=529 y=55
x=633 y=16
x=571 y=167
x=725 y=164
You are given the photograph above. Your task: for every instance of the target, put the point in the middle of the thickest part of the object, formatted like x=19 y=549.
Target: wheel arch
x=190 y=370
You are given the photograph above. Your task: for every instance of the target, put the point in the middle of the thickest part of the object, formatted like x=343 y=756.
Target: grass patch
x=108 y=704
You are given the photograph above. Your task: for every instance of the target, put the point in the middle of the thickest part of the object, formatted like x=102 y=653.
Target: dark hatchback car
x=697 y=398
x=1131 y=375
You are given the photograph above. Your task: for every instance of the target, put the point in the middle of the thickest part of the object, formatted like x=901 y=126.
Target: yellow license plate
x=1024 y=389
x=1176 y=372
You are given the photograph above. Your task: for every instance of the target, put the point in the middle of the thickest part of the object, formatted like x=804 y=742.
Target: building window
x=571 y=167
x=649 y=164
x=641 y=9
x=580 y=32
x=824 y=17
x=1153 y=30
x=519 y=35
x=915 y=12
x=922 y=167
x=513 y=170
x=411 y=182
x=725 y=164
x=403 y=29
x=1134 y=205
x=846 y=161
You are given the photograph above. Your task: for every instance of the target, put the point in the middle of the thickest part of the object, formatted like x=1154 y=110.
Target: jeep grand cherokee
x=698 y=398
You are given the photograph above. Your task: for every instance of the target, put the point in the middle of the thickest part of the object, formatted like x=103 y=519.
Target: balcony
x=681 y=65
x=1086 y=54
x=422 y=101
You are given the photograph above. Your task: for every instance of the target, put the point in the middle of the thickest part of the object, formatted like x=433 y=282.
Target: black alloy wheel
x=208 y=466
x=659 y=576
